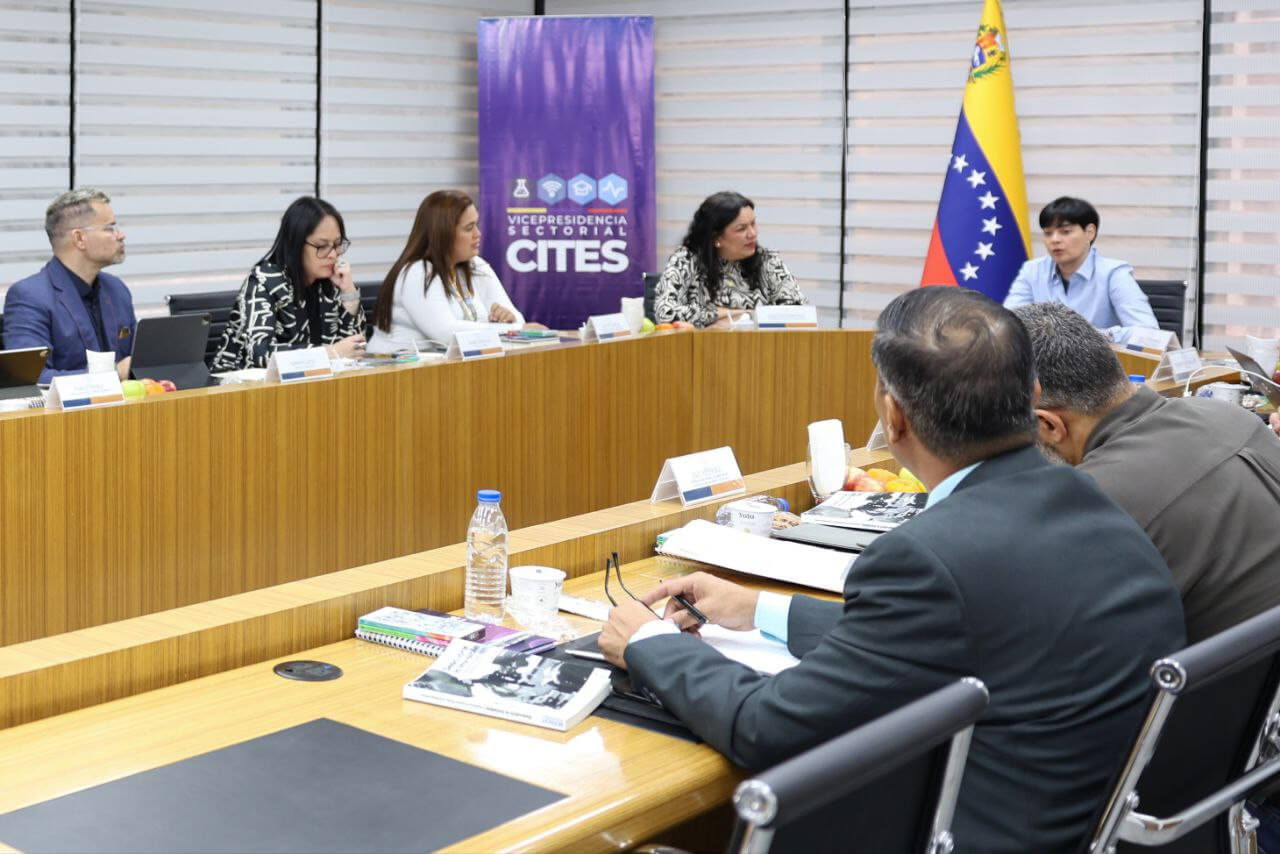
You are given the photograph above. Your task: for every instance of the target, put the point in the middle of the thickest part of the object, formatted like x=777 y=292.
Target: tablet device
x=20 y=370
x=1265 y=386
x=828 y=536
x=172 y=348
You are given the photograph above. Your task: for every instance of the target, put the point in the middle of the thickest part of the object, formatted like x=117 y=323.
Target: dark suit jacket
x=1027 y=577
x=45 y=310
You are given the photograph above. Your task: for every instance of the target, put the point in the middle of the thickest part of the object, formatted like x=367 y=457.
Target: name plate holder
x=84 y=391
x=699 y=478
x=786 y=317
x=1153 y=342
x=474 y=344
x=877 y=441
x=291 y=366
x=1177 y=365
x=607 y=327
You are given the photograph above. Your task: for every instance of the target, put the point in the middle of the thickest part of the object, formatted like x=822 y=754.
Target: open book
x=517 y=686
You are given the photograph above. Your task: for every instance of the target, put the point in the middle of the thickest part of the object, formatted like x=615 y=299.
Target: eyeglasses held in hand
x=612 y=563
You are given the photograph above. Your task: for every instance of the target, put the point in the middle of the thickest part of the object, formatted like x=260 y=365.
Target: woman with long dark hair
x=300 y=294
x=440 y=285
x=720 y=270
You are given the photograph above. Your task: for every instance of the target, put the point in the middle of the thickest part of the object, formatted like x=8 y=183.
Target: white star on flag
x=990 y=226
x=985 y=250
x=969 y=272
x=960 y=163
x=988 y=200
x=975 y=178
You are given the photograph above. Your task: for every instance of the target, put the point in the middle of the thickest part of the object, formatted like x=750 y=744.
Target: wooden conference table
x=113 y=513
x=624 y=784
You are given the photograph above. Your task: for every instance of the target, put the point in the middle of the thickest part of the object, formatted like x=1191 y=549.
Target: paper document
x=810 y=566
x=750 y=648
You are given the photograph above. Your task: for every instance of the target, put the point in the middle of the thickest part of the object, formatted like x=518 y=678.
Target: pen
x=688 y=606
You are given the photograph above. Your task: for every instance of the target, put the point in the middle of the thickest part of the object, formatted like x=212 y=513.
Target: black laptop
x=172 y=348
x=20 y=370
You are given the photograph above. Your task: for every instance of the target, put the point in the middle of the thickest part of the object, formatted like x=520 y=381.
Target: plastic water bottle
x=486 y=585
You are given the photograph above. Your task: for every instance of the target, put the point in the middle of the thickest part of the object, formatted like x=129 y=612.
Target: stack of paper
x=739 y=551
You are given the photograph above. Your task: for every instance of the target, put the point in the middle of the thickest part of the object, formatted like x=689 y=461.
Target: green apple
x=133 y=389
x=647 y=325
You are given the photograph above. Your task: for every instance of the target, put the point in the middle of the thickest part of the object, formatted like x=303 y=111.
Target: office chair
x=888 y=786
x=1210 y=738
x=650 y=287
x=1168 y=302
x=368 y=296
x=216 y=304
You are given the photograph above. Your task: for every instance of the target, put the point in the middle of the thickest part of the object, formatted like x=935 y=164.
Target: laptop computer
x=20 y=370
x=1265 y=386
x=172 y=348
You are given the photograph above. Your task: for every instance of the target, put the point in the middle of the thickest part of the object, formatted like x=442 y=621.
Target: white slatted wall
x=1242 y=218
x=398 y=114
x=1108 y=101
x=35 y=114
x=199 y=121
x=749 y=100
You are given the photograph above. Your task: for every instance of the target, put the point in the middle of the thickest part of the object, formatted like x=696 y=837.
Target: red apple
x=851 y=477
x=168 y=385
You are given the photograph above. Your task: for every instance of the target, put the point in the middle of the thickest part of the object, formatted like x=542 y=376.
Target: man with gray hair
x=1200 y=476
x=71 y=306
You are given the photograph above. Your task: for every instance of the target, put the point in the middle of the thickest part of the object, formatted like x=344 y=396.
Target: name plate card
x=474 y=344
x=291 y=366
x=787 y=317
x=1151 y=341
x=1178 y=365
x=698 y=478
x=84 y=391
x=607 y=327
x=877 y=441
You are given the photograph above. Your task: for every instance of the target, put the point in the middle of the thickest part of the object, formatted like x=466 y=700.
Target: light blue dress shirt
x=773 y=609
x=1103 y=291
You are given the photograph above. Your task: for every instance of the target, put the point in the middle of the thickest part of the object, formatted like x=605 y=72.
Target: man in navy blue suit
x=71 y=306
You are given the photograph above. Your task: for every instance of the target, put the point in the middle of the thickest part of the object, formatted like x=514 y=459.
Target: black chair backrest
x=887 y=786
x=216 y=304
x=1168 y=301
x=650 y=286
x=1209 y=704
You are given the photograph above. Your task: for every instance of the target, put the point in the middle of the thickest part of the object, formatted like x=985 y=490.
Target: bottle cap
x=784 y=505
x=1137 y=378
x=489 y=496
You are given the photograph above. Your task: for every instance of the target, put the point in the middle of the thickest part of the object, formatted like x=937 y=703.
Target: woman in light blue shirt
x=1103 y=290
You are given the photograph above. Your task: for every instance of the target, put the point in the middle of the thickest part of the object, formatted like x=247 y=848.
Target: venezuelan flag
x=981 y=236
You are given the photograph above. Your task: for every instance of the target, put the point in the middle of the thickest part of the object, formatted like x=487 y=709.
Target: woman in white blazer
x=440 y=285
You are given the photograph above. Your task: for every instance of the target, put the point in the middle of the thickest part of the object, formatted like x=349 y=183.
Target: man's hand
x=1275 y=422
x=122 y=368
x=624 y=620
x=500 y=314
x=724 y=603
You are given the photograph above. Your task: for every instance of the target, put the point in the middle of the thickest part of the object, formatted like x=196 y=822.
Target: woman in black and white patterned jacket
x=299 y=295
x=719 y=270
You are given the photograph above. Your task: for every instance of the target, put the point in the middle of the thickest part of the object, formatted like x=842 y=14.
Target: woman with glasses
x=440 y=285
x=299 y=295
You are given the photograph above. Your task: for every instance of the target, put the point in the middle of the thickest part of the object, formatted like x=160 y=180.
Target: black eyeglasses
x=323 y=249
x=611 y=563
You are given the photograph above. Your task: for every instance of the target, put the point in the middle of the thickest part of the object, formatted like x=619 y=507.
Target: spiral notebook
x=428 y=634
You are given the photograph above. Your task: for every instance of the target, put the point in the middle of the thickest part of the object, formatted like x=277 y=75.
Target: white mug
x=1231 y=393
x=100 y=363
x=633 y=311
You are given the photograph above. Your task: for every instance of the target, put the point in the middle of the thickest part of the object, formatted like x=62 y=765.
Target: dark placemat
x=319 y=787
x=623 y=705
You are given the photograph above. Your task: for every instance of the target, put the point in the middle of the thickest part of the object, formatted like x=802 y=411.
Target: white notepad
x=810 y=566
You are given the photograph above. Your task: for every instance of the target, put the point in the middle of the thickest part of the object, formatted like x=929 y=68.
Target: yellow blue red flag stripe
x=981 y=235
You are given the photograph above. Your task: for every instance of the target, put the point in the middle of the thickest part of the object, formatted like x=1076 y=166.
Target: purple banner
x=566 y=161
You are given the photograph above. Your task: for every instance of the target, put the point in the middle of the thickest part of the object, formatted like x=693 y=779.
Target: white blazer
x=431 y=314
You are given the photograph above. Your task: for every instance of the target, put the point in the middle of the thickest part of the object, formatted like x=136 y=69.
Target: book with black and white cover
x=516 y=686
x=870 y=511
